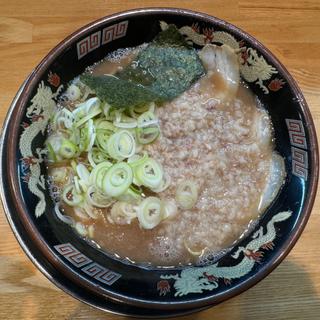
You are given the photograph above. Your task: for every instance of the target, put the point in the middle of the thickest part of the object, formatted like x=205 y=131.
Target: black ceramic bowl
x=100 y=279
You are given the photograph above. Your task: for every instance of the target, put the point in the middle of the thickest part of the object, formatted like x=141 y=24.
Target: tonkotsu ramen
x=161 y=154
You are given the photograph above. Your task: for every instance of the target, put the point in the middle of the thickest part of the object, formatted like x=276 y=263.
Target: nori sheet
x=117 y=92
x=163 y=70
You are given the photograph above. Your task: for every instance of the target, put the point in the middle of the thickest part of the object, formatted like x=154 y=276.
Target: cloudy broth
x=225 y=147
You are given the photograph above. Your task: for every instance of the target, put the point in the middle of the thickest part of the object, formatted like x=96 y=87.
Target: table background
x=290 y=29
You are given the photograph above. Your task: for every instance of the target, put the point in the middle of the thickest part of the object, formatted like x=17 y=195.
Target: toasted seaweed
x=117 y=92
x=136 y=74
x=174 y=68
x=162 y=71
x=170 y=36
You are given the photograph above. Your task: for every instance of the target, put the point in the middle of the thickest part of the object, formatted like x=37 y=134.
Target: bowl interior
x=95 y=270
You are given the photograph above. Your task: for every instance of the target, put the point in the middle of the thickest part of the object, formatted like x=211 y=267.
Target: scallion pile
x=103 y=149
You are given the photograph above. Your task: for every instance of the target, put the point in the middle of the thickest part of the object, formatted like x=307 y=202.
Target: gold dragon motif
x=42 y=106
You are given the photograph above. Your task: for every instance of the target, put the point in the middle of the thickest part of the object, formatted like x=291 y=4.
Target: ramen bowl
x=101 y=279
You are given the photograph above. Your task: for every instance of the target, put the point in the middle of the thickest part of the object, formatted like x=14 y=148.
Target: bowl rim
x=11 y=129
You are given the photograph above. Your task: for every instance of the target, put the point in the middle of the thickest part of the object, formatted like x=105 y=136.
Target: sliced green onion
x=168 y=208
x=83 y=109
x=74 y=135
x=63 y=119
x=107 y=109
x=149 y=174
x=51 y=154
x=122 y=213
x=151 y=107
x=132 y=112
x=87 y=117
x=117 y=114
x=141 y=109
x=148 y=128
x=74 y=165
x=147 y=135
x=96 y=156
x=125 y=122
x=144 y=108
x=73 y=92
x=149 y=213
x=83 y=187
x=135 y=111
x=145 y=118
x=64 y=218
x=121 y=145
x=77 y=186
x=165 y=183
x=91 y=231
x=131 y=195
x=117 y=179
x=98 y=172
x=97 y=199
x=104 y=130
x=71 y=197
x=92 y=104
x=67 y=150
x=83 y=173
x=187 y=194
x=81 y=184
x=116 y=136
x=55 y=141
x=139 y=147
x=149 y=123
x=129 y=210
x=125 y=125
x=137 y=159
x=90 y=211
x=87 y=136
x=105 y=125
x=102 y=139
x=81 y=229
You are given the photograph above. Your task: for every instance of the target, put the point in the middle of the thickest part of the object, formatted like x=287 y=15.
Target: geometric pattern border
x=299 y=146
x=98 y=38
x=92 y=269
x=114 y=32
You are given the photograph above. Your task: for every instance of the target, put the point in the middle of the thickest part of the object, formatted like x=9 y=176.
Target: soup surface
x=217 y=144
